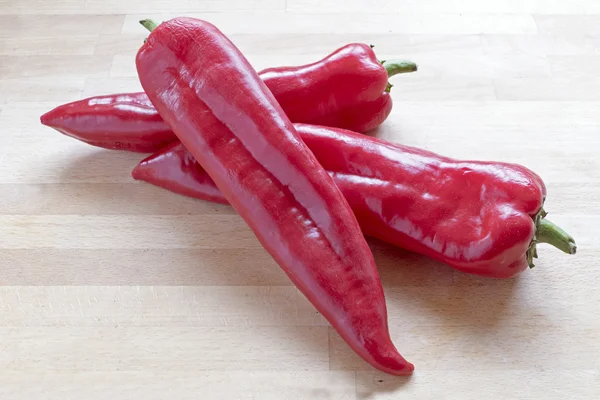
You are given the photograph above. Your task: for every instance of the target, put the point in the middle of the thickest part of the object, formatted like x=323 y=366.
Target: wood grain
x=124 y=385
x=132 y=6
x=115 y=289
x=445 y=6
x=166 y=347
x=337 y=22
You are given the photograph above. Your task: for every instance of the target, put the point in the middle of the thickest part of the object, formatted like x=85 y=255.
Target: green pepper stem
x=548 y=232
x=149 y=24
x=394 y=67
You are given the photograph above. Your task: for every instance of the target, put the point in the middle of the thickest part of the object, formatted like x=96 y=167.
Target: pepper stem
x=548 y=232
x=394 y=67
x=149 y=24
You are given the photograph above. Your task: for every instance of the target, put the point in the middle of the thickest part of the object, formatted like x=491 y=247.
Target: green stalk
x=149 y=24
x=394 y=67
x=548 y=232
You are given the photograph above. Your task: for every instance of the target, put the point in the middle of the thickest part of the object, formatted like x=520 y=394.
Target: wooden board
x=115 y=289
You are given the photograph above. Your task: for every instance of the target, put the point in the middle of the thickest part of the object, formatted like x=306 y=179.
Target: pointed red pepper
x=483 y=218
x=219 y=108
x=126 y=121
x=347 y=89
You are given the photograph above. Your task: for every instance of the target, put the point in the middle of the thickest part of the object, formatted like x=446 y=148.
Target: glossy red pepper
x=126 y=121
x=222 y=111
x=347 y=89
x=483 y=218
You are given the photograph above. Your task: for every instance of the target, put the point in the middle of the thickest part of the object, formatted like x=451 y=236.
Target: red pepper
x=226 y=116
x=175 y=168
x=125 y=121
x=347 y=89
x=483 y=218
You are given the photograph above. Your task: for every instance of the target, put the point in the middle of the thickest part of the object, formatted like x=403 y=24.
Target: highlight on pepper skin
x=242 y=138
x=397 y=195
x=232 y=141
x=316 y=93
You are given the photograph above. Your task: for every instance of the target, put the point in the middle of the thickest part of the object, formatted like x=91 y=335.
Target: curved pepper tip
x=386 y=358
x=139 y=172
x=410 y=368
x=46 y=119
x=405 y=369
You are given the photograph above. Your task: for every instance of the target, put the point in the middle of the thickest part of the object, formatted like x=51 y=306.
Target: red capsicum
x=126 y=121
x=484 y=218
x=222 y=111
x=348 y=89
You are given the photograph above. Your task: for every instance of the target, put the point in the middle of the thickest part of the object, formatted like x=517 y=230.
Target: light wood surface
x=113 y=289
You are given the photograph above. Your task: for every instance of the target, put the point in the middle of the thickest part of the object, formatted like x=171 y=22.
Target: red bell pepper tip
x=387 y=359
x=404 y=370
x=145 y=170
x=140 y=171
x=391 y=362
x=384 y=356
x=48 y=118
